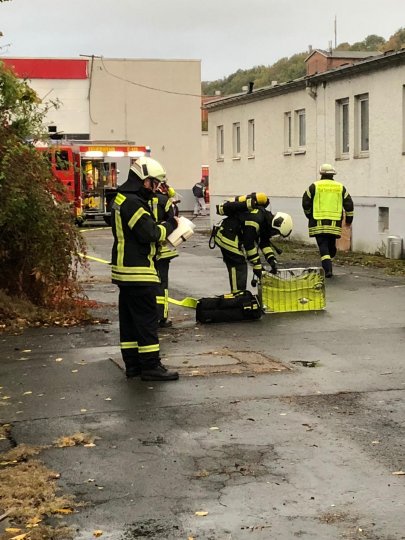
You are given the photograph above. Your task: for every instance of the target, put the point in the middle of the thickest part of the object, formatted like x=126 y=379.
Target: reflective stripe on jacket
x=163 y=209
x=245 y=234
x=135 y=237
x=323 y=203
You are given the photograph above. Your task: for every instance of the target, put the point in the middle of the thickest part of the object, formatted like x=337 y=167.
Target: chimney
x=250 y=88
x=309 y=49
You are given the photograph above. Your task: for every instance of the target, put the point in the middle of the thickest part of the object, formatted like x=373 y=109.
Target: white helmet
x=282 y=223
x=326 y=169
x=146 y=167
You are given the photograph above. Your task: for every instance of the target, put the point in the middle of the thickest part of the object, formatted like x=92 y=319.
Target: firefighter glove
x=257 y=271
x=273 y=264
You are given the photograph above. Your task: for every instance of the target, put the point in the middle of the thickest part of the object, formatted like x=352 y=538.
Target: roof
x=343 y=54
x=374 y=63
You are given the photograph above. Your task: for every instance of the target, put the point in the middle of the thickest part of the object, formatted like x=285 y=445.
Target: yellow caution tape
x=186 y=302
x=93 y=258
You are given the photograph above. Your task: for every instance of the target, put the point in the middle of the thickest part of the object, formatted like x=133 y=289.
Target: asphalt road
x=263 y=445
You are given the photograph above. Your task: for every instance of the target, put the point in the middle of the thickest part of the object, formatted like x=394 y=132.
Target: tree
x=396 y=41
x=39 y=243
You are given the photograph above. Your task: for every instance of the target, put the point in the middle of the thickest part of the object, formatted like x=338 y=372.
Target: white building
x=353 y=116
x=154 y=103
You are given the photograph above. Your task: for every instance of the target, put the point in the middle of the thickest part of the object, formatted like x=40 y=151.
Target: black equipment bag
x=241 y=306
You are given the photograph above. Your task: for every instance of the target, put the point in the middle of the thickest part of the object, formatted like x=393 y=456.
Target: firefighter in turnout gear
x=323 y=204
x=248 y=229
x=136 y=240
x=163 y=209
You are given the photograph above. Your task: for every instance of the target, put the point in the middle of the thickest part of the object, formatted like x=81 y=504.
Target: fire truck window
x=62 y=160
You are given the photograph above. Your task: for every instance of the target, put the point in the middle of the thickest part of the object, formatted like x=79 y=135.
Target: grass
x=308 y=255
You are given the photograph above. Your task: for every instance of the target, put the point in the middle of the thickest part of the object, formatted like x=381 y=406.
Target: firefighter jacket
x=136 y=235
x=163 y=208
x=244 y=234
x=323 y=204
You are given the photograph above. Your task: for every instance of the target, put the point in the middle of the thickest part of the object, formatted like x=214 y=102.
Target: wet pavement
x=288 y=427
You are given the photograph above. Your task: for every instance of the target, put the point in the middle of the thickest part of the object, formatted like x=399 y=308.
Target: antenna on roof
x=335 y=27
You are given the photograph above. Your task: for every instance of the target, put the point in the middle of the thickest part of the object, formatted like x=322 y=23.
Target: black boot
x=159 y=373
x=165 y=323
x=327 y=266
x=132 y=369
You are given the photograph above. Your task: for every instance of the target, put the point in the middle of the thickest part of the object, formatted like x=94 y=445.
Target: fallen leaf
x=201 y=513
x=58 y=359
x=83 y=410
x=97 y=533
x=63 y=511
x=214 y=428
x=27 y=393
x=399 y=473
x=89 y=445
x=26 y=350
x=19 y=536
x=33 y=522
x=75 y=370
x=12 y=530
x=107 y=399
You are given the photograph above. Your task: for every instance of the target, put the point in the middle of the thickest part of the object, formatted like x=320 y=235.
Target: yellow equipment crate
x=293 y=289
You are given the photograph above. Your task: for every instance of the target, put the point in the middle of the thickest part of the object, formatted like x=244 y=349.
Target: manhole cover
x=223 y=362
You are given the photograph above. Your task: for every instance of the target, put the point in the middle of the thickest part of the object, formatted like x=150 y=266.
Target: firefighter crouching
x=164 y=208
x=248 y=229
x=136 y=237
x=323 y=204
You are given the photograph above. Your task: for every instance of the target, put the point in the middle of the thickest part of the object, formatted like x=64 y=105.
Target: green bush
x=39 y=243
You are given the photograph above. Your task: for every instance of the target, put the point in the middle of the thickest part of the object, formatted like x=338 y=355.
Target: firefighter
x=164 y=208
x=240 y=237
x=323 y=204
x=136 y=237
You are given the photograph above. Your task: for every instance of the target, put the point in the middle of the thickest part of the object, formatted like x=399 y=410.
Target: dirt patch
x=29 y=493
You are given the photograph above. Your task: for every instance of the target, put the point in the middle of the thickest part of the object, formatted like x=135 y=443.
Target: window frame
x=236 y=140
x=251 y=138
x=220 y=142
x=343 y=128
x=288 y=133
x=362 y=125
x=300 y=129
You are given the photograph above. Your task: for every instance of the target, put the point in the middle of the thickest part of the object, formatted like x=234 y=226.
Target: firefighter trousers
x=138 y=326
x=237 y=271
x=327 y=250
x=162 y=292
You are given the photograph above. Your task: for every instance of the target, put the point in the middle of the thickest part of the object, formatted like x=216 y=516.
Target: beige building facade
x=274 y=140
x=155 y=103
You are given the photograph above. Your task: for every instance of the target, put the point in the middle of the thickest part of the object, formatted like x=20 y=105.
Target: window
x=361 y=125
x=287 y=132
x=383 y=219
x=251 y=138
x=342 y=128
x=301 y=129
x=236 y=139
x=220 y=142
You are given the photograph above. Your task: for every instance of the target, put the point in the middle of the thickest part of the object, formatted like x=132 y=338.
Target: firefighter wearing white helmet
x=137 y=236
x=325 y=203
x=282 y=223
x=164 y=207
x=244 y=234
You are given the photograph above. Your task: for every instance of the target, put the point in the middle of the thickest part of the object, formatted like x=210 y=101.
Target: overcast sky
x=224 y=34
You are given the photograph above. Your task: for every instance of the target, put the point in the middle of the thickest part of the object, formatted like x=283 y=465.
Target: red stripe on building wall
x=47 y=68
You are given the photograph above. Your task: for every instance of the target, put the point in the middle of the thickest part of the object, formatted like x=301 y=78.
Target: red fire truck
x=89 y=171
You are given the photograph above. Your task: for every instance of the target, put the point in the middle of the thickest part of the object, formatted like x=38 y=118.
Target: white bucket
x=394 y=247
x=184 y=230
